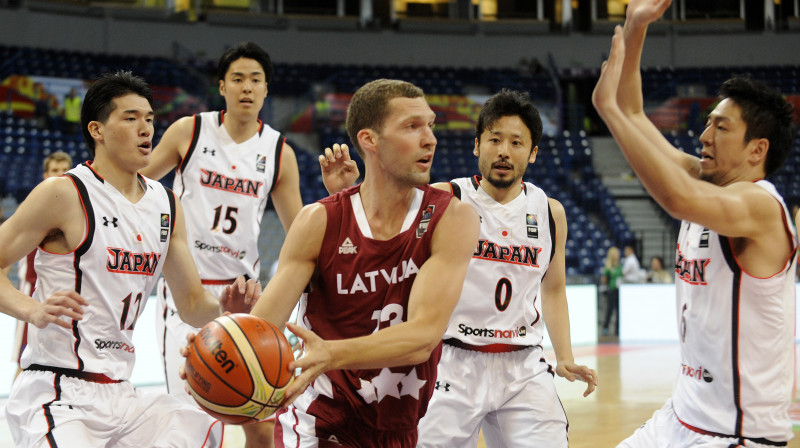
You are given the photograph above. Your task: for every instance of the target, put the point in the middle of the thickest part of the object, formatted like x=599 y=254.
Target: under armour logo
x=113 y=221
x=212 y=151
x=445 y=386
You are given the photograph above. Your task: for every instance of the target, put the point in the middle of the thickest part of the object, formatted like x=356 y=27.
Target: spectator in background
x=657 y=272
x=72 y=112
x=632 y=271
x=612 y=273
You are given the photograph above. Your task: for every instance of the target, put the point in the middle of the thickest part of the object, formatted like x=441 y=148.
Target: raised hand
x=571 y=372
x=645 y=12
x=240 y=296
x=62 y=303
x=604 y=96
x=338 y=170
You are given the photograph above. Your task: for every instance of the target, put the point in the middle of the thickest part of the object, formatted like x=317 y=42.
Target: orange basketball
x=238 y=368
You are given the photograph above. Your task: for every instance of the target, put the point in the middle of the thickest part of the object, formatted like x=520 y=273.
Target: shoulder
x=311 y=218
x=556 y=208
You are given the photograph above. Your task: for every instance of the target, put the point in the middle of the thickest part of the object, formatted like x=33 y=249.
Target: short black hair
x=510 y=103
x=99 y=100
x=766 y=114
x=245 y=50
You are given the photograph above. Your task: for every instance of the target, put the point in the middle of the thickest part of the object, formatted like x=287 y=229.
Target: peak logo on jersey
x=427 y=214
x=466 y=330
x=123 y=261
x=261 y=163
x=100 y=344
x=698 y=373
x=215 y=347
x=405 y=270
x=347 y=247
x=524 y=255
x=692 y=271
x=213 y=152
x=213 y=179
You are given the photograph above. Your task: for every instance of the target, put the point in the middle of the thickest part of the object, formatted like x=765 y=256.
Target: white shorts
x=46 y=409
x=664 y=430
x=510 y=396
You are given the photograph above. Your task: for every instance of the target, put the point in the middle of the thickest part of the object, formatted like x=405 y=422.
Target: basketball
x=237 y=368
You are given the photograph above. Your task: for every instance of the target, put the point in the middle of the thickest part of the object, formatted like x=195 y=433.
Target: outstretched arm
x=737 y=210
x=640 y=14
x=556 y=310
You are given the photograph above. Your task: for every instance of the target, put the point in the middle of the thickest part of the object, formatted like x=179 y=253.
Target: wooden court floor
x=635 y=380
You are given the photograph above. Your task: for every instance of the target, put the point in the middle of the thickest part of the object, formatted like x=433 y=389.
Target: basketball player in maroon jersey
x=735 y=257
x=55 y=164
x=384 y=262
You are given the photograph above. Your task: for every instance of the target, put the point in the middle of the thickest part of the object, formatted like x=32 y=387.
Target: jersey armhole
x=192 y=144
x=455 y=189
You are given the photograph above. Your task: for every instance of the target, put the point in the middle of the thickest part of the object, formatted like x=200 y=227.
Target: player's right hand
x=316 y=361
x=184 y=351
x=339 y=171
x=62 y=303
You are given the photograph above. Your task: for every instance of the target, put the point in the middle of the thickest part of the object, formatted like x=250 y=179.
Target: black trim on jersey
x=81 y=251
x=164 y=338
x=277 y=170
x=524 y=188
x=195 y=136
x=260 y=127
x=725 y=246
x=97 y=176
x=456 y=189
x=171 y=198
x=476 y=181
x=51 y=424
x=221 y=117
x=552 y=223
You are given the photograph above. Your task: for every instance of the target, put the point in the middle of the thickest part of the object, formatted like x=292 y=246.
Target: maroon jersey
x=363 y=285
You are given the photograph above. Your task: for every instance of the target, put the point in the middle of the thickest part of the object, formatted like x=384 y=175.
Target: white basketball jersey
x=224 y=187
x=500 y=301
x=737 y=337
x=115 y=268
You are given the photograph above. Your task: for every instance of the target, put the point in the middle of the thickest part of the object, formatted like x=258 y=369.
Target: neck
x=502 y=195
x=240 y=128
x=124 y=181
x=386 y=205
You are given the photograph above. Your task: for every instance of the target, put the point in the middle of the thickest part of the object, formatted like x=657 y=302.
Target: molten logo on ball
x=214 y=346
x=238 y=368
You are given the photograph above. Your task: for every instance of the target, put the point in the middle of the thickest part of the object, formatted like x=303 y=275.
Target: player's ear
x=222 y=87
x=760 y=147
x=96 y=130
x=476 y=150
x=368 y=140
x=534 y=152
